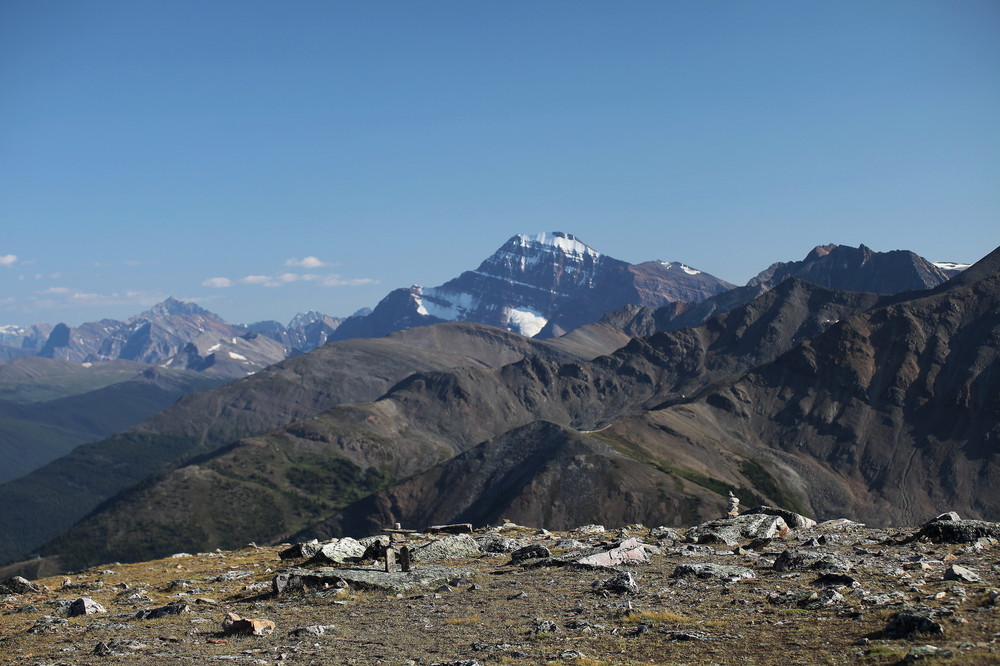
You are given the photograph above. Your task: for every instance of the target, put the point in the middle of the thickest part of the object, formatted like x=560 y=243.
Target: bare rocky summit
x=760 y=591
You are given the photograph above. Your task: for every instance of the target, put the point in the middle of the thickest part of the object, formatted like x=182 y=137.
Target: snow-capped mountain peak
x=538 y=284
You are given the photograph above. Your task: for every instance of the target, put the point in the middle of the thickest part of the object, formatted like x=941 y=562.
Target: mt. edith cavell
x=554 y=387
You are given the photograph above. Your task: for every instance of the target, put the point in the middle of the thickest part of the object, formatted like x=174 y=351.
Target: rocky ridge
x=763 y=587
x=812 y=398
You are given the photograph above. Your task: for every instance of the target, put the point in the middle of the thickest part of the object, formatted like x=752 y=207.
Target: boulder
x=809 y=559
x=956 y=572
x=449 y=547
x=590 y=529
x=711 y=570
x=19 y=585
x=745 y=526
x=629 y=551
x=794 y=520
x=302 y=580
x=494 y=543
x=665 y=533
x=234 y=624
x=957 y=531
x=313 y=630
x=622 y=582
x=338 y=551
x=912 y=621
x=456 y=528
x=534 y=551
x=85 y=606
x=162 y=611
x=301 y=550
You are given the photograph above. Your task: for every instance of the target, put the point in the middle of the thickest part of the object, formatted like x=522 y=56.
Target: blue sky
x=265 y=158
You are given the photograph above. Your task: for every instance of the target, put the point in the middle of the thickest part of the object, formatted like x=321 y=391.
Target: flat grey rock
x=367 y=579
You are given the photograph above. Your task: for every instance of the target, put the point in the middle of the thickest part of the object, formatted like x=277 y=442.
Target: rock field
x=763 y=587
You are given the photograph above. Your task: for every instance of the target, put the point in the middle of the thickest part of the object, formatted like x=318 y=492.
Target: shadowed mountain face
x=858 y=269
x=539 y=474
x=541 y=285
x=838 y=267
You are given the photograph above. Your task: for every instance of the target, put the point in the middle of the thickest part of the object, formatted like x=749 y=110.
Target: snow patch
x=236 y=356
x=687 y=269
x=87 y=365
x=448 y=305
x=214 y=348
x=416 y=294
x=526 y=321
x=951 y=265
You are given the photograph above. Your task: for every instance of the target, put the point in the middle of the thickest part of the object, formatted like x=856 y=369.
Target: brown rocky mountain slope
x=887 y=415
x=53 y=497
x=428 y=418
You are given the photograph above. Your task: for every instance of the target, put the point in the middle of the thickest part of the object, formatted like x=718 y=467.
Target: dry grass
x=658 y=617
x=494 y=622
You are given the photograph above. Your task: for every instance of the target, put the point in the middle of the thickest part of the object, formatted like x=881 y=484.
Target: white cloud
x=71 y=297
x=11 y=259
x=337 y=281
x=331 y=280
x=307 y=262
x=265 y=280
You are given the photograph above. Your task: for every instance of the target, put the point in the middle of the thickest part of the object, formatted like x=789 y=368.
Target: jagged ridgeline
x=548 y=432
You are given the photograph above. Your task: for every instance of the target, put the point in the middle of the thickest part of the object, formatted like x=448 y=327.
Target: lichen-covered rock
x=301 y=580
x=622 y=582
x=711 y=570
x=301 y=550
x=794 y=520
x=450 y=547
x=912 y=621
x=339 y=551
x=809 y=559
x=533 y=551
x=494 y=543
x=957 y=531
x=665 y=533
x=162 y=611
x=729 y=530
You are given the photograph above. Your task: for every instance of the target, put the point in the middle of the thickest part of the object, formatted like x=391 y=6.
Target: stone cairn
x=733 y=509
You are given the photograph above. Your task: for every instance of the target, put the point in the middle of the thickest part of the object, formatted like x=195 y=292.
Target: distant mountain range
x=539 y=286
x=174 y=334
x=363 y=431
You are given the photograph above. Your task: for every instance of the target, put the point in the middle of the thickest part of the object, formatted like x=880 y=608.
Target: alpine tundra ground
x=874 y=598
